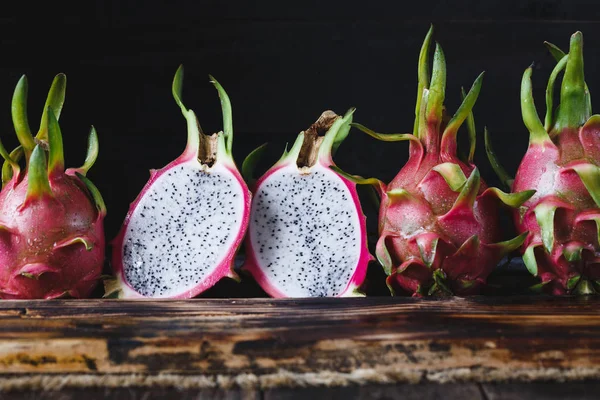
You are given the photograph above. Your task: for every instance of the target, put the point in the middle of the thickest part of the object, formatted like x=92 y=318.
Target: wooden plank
x=133 y=393
x=462 y=391
x=542 y=391
x=266 y=343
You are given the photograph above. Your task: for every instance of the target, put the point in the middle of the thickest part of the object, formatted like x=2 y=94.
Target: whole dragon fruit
x=181 y=233
x=307 y=235
x=51 y=220
x=438 y=222
x=561 y=164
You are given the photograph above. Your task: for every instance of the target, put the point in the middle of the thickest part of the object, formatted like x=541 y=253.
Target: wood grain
x=266 y=343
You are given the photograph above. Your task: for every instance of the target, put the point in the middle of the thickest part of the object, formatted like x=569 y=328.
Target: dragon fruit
x=181 y=233
x=561 y=164
x=438 y=221
x=51 y=220
x=307 y=235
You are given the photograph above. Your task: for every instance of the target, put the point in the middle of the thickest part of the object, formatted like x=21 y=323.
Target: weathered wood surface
x=265 y=343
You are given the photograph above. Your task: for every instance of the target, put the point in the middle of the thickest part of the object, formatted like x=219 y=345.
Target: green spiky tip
x=537 y=133
x=177 y=89
x=544 y=214
x=10 y=170
x=56 y=159
x=506 y=179
x=510 y=245
x=463 y=112
x=513 y=200
x=19 y=116
x=470 y=129
x=548 y=120
x=92 y=152
x=389 y=137
x=452 y=174
x=38 y=185
x=529 y=259
x=95 y=193
x=423 y=76
x=251 y=161
x=55 y=101
x=227 y=113
x=468 y=194
x=574 y=109
x=383 y=255
x=437 y=89
x=359 y=180
x=590 y=176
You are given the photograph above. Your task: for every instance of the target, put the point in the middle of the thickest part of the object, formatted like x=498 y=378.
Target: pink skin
x=411 y=225
x=553 y=163
x=224 y=269
x=358 y=277
x=38 y=241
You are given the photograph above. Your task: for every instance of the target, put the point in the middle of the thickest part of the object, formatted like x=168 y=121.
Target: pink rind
x=224 y=269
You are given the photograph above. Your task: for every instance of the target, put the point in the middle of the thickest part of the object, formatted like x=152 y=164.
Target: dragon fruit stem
x=342 y=132
x=423 y=76
x=340 y=124
x=227 y=114
x=54 y=100
x=38 y=184
x=448 y=144
x=56 y=158
x=19 y=116
x=537 y=133
x=574 y=110
x=550 y=92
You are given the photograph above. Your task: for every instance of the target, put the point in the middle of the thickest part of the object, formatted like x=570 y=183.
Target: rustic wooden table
x=366 y=348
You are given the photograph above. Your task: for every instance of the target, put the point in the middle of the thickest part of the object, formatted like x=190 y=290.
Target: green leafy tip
x=55 y=101
x=56 y=159
x=574 y=109
x=537 y=133
x=359 y=180
x=95 y=193
x=92 y=152
x=463 y=112
x=177 y=89
x=227 y=113
x=437 y=89
x=423 y=75
x=544 y=214
x=452 y=174
x=470 y=129
x=38 y=185
x=251 y=161
x=19 y=116
x=506 y=179
x=529 y=259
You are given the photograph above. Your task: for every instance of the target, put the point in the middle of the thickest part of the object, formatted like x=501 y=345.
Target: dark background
x=282 y=64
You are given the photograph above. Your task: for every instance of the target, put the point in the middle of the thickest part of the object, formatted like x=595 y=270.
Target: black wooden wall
x=282 y=63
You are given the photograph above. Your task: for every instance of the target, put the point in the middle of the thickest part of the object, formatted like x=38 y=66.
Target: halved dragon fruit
x=438 y=221
x=51 y=219
x=181 y=234
x=307 y=235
